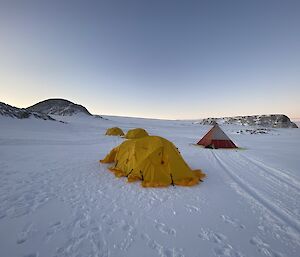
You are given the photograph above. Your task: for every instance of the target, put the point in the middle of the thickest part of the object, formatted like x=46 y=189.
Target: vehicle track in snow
x=283 y=176
x=257 y=194
x=271 y=187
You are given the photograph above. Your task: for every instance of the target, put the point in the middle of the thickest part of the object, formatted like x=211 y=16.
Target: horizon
x=295 y=119
x=159 y=60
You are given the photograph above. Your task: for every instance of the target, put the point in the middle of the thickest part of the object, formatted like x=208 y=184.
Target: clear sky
x=156 y=58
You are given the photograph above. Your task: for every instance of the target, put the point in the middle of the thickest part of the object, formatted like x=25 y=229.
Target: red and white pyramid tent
x=216 y=138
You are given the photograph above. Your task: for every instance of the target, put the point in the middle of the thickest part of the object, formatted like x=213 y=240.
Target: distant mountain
x=20 y=113
x=268 y=121
x=60 y=107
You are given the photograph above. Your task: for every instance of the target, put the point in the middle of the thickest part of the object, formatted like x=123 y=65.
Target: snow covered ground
x=57 y=200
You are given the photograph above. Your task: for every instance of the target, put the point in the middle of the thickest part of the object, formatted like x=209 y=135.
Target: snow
x=57 y=200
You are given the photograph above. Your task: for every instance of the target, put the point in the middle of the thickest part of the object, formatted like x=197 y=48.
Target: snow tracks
x=272 y=193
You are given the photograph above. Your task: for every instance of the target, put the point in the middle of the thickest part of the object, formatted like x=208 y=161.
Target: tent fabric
x=136 y=133
x=153 y=160
x=115 y=131
x=216 y=138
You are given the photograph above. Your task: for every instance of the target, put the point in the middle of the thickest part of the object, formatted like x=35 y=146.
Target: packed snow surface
x=57 y=200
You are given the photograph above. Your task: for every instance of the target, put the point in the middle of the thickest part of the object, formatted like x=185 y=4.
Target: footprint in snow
x=163 y=228
x=192 y=208
x=129 y=238
x=54 y=228
x=126 y=227
x=108 y=219
x=161 y=250
x=212 y=236
x=234 y=222
x=127 y=212
x=226 y=250
x=264 y=248
x=223 y=248
x=24 y=234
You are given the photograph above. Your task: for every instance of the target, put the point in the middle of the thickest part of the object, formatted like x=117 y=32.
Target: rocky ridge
x=267 y=121
x=59 y=107
x=21 y=113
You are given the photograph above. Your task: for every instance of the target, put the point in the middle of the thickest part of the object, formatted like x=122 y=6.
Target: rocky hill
x=60 y=107
x=267 y=121
x=20 y=113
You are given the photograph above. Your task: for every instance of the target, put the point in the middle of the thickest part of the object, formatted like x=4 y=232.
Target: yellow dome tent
x=154 y=160
x=115 y=131
x=136 y=133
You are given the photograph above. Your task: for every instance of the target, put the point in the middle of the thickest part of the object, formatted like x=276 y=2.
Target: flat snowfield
x=56 y=199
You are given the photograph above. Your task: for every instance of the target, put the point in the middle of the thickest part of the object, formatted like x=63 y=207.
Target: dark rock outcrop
x=269 y=121
x=60 y=107
x=20 y=113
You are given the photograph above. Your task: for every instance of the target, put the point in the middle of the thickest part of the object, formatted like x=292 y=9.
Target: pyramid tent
x=153 y=160
x=115 y=131
x=216 y=138
x=136 y=133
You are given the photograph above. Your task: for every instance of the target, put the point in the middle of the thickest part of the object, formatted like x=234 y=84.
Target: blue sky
x=160 y=59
